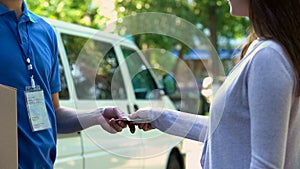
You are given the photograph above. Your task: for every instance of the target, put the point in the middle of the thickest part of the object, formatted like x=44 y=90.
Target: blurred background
x=225 y=32
x=212 y=17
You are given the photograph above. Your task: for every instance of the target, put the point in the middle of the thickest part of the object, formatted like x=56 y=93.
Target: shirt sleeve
x=270 y=93
x=55 y=75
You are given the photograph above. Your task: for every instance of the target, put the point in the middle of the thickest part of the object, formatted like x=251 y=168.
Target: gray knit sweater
x=254 y=117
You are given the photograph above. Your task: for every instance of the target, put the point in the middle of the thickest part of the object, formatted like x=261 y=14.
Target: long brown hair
x=278 y=20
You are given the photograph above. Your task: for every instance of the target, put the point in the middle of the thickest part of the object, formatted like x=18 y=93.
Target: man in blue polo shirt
x=29 y=63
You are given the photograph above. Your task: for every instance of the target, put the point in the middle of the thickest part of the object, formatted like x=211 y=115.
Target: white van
x=100 y=69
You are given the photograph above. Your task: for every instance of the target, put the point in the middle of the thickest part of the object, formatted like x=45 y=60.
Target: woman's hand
x=143 y=118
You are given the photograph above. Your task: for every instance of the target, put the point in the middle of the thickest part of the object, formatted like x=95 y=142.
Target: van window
x=94 y=68
x=64 y=93
x=141 y=78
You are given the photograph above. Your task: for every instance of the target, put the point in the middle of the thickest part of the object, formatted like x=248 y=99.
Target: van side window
x=64 y=93
x=95 y=68
x=141 y=78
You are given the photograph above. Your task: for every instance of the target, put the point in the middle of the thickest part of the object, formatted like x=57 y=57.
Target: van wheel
x=174 y=161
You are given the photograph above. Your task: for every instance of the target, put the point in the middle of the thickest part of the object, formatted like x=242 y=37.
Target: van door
x=98 y=82
x=148 y=93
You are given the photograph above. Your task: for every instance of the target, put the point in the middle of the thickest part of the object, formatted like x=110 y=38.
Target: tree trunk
x=212 y=25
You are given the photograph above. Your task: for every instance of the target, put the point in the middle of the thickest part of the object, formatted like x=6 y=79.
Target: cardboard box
x=8 y=128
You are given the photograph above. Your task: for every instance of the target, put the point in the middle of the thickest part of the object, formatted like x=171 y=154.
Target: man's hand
x=108 y=117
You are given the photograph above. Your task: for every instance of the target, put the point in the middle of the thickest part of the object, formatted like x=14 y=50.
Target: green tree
x=180 y=8
x=81 y=12
x=214 y=16
x=208 y=15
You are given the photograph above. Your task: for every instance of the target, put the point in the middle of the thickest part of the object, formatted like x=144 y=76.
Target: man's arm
x=71 y=120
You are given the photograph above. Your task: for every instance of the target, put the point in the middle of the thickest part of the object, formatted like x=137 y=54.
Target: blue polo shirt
x=37 y=150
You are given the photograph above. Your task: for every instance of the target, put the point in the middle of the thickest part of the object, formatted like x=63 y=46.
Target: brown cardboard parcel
x=8 y=128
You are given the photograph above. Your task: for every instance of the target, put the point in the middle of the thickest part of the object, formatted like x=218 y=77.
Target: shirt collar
x=27 y=14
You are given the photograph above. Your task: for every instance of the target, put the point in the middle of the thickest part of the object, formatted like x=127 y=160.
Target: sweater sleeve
x=181 y=124
x=270 y=91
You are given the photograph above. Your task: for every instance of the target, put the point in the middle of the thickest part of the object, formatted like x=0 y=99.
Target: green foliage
x=207 y=15
x=215 y=13
x=180 y=8
x=75 y=11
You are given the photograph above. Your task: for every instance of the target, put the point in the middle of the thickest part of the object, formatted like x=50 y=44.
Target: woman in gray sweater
x=254 y=118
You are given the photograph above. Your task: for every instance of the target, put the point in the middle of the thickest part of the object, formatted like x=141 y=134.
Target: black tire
x=174 y=161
